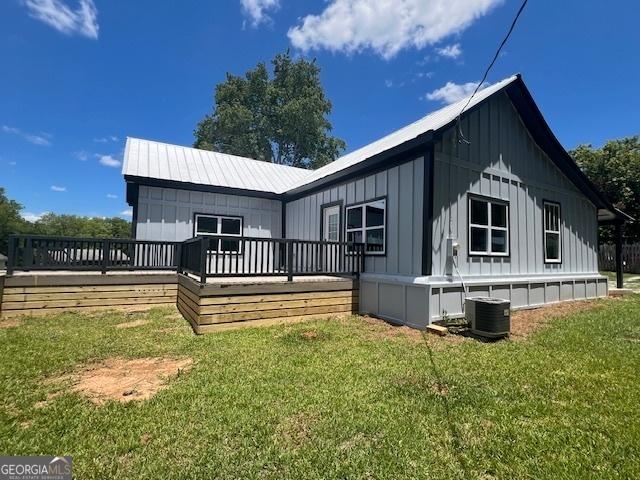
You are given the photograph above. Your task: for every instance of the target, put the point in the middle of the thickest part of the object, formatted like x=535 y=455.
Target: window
x=552 y=239
x=488 y=227
x=366 y=224
x=220 y=225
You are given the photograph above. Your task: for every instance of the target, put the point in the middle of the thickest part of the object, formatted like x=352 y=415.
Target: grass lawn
x=334 y=399
x=631 y=280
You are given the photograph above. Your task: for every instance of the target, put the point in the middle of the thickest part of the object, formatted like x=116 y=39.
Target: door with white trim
x=330 y=233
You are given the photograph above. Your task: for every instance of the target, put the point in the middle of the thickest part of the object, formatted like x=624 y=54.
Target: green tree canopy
x=279 y=118
x=10 y=219
x=77 y=226
x=614 y=170
x=54 y=224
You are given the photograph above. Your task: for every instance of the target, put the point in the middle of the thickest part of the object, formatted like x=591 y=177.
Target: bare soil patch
x=378 y=329
x=309 y=335
x=10 y=323
x=525 y=322
x=125 y=380
x=132 y=324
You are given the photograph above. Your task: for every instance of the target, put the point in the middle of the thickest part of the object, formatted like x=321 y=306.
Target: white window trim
x=558 y=232
x=488 y=228
x=364 y=227
x=219 y=227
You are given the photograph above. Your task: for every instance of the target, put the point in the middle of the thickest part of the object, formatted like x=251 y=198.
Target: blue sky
x=78 y=76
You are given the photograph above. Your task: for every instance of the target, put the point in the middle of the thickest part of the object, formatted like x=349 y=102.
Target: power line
x=486 y=73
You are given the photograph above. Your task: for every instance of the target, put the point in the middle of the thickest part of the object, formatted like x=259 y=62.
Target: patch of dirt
x=145 y=438
x=132 y=324
x=525 y=322
x=10 y=323
x=378 y=329
x=44 y=403
x=124 y=379
x=309 y=335
x=295 y=430
x=26 y=424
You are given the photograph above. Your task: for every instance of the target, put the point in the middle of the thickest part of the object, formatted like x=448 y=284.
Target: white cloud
x=110 y=138
x=127 y=213
x=81 y=155
x=57 y=188
x=111 y=195
x=257 y=10
x=109 y=161
x=454 y=92
x=42 y=139
x=32 y=217
x=420 y=75
x=386 y=26
x=57 y=14
x=450 y=51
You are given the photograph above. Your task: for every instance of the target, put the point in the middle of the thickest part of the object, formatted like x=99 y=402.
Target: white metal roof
x=144 y=158
x=149 y=159
x=433 y=121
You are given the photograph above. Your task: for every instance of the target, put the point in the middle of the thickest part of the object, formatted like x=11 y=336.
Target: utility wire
x=461 y=137
x=486 y=73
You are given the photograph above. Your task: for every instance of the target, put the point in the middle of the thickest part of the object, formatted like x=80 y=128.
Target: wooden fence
x=630 y=257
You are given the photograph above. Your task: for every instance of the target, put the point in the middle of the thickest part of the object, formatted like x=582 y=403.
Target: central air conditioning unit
x=488 y=317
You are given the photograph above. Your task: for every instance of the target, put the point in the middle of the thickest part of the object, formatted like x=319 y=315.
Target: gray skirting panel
x=418 y=301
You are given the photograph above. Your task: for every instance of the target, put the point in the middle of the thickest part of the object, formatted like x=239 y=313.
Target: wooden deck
x=41 y=293
x=236 y=302
x=220 y=304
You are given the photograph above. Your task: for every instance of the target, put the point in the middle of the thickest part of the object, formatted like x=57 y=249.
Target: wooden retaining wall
x=218 y=307
x=40 y=294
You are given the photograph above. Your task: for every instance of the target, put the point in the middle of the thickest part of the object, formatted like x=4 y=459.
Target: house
x=488 y=205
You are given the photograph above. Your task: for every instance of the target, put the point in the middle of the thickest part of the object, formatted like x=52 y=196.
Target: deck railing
x=204 y=257
x=223 y=256
x=36 y=252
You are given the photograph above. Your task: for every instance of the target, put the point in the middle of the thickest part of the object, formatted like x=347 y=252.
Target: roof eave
x=415 y=145
x=200 y=187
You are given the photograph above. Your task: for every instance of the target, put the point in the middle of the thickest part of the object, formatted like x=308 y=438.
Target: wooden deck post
x=177 y=257
x=290 y=261
x=105 y=255
x=203 y=260
x=28 y=255
x=11 y=255
x=619 y=266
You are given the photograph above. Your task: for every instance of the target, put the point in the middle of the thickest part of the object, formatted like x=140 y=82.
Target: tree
x=77 y=226
x=280 y=119
x=614 y=170
x=10 y=220
x=53 y=224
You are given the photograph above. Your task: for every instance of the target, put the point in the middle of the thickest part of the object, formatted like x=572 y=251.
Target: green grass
x=349 y=403
x=631 y=280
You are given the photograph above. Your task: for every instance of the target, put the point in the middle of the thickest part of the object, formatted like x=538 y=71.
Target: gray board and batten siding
x=503 y=162
x=168 y=213
x=402 y=186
